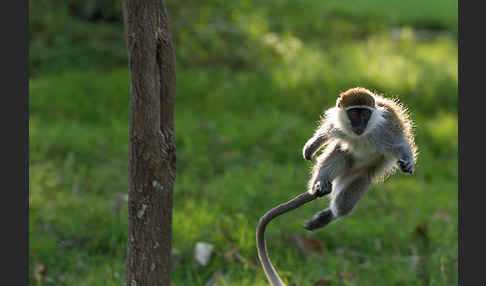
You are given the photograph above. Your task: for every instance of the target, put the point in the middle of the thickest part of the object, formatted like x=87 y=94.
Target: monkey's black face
x=359 y=118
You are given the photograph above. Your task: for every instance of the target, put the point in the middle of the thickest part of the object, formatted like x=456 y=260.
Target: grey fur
x=350 y=163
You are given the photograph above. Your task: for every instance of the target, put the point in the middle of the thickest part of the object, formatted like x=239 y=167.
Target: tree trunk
x=152 y=144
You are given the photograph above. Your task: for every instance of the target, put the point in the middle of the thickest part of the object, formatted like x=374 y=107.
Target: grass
x=239 y=134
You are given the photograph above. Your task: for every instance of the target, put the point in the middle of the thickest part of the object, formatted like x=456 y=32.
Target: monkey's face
x=358 y=117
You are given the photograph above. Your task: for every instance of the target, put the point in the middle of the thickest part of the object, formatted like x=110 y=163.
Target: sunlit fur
x=350 y=162
x=363 y=147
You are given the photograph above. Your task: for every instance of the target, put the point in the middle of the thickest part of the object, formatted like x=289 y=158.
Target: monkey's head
x=357 y=106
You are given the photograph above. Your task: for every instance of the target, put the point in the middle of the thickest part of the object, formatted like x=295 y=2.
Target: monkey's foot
x=320 y=220
x=321 y=189
x=406 y=166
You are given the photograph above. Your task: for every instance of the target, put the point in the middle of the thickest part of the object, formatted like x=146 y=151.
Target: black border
x=471 y=143
x=14 y=126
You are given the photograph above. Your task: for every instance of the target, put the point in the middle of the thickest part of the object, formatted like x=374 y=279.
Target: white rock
x=202 y=252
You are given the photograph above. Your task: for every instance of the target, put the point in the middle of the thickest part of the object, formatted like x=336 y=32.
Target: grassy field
x=252 y=81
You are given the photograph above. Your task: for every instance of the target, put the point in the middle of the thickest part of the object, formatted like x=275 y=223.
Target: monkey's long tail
x=294 y=203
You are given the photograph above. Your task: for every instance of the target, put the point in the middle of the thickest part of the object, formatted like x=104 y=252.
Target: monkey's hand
x=312 y=145
x=321 y=189
x=406 y=166
x=307 y=153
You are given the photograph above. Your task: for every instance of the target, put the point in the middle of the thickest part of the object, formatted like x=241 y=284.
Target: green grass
x=239 y=136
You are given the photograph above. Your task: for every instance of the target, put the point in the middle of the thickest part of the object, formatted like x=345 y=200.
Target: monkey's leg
x=346 y=194
x=328 y=165
x=321 y=219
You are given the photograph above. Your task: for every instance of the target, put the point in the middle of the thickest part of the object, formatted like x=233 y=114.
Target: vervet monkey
x=365 y=138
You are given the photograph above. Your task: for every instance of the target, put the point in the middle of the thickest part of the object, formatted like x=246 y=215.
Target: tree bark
x=152 y=155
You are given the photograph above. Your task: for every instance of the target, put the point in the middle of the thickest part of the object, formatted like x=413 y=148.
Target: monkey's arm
x=322 y=134
x=396 y=146
x=398 y=141
x=312 y=145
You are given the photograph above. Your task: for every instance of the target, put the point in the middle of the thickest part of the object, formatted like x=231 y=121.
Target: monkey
x=366 y=137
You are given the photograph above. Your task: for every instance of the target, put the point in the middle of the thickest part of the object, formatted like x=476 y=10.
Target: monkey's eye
x=366 y=113
x=353 y=114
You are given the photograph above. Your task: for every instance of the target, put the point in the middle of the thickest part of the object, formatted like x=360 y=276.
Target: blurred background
x=252 y=79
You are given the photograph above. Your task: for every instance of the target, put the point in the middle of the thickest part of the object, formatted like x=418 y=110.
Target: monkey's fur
x=358 y=150
x=366 y=137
